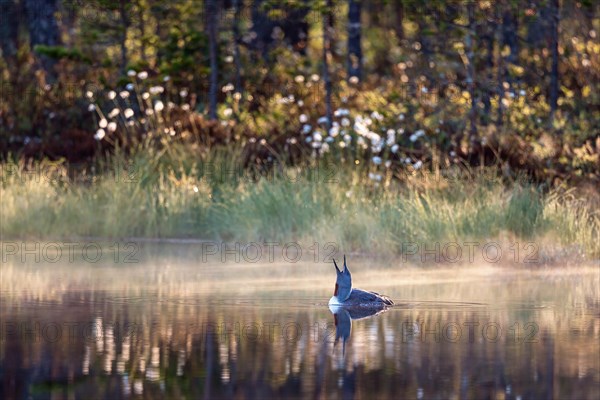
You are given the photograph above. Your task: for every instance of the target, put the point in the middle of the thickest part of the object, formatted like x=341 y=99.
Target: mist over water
x=175 y=325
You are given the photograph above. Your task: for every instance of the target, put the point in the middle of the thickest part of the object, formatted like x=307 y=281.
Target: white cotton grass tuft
x=100 y=133
x=154 y=90
x=341 y=112
x=112 y=126
x=103 y=123
x=375 y=177
x=415 y=136
x=128 y=113
x=377 y=116
x=142 y=75
x=391 y=137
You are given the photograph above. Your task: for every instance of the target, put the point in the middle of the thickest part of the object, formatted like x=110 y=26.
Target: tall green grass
x=179 y=197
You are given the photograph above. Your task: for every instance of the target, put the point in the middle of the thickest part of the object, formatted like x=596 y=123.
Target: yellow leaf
x=586 y=91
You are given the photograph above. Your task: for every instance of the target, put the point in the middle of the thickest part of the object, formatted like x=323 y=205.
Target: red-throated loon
x=345 y=296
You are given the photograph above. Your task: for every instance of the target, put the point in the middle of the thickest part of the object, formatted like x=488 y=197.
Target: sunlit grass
x=181 y=196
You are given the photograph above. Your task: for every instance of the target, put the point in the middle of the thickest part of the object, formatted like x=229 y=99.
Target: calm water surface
x=171 y=325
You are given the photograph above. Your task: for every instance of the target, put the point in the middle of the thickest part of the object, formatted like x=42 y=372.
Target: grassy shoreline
x=361 y=207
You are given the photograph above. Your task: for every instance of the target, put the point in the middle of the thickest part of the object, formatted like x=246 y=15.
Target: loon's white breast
x=334 y=301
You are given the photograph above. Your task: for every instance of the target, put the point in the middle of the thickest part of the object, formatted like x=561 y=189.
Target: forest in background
x=364 y=123
x=507 y=83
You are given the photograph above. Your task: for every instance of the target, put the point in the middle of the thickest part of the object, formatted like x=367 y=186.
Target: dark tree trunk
x=237 y=4
x=330 y=15
x=330 y=12
x=262 y=27
x=500 y=74
x=489 y=66
x=124 y=28
x=211 y=25
x=424 y=37
x=294 y=26
x=10 y=19
x=374 y=12
x=43 y=30
x=354 y=45
x=471 y=69
x=160 y=14
x=399 y=25
x=142 y=28
x=554 y=78
x=510 y=38
x=69 y=15
x=326 y=77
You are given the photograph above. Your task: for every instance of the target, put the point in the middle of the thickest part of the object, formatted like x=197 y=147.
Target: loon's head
x=343 y=283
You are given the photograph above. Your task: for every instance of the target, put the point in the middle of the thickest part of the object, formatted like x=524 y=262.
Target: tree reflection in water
x=155 y=346
x=148 y=331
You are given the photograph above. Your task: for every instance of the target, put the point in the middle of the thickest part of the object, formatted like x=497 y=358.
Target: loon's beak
x=336 y=267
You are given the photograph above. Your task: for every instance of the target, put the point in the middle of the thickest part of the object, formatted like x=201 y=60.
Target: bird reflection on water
x=343 y=317
x=349 y=303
